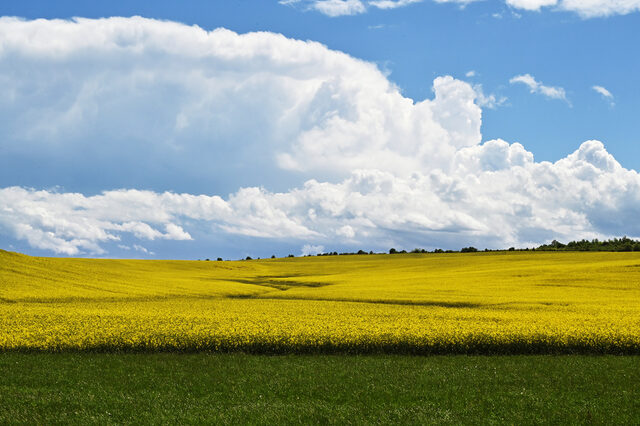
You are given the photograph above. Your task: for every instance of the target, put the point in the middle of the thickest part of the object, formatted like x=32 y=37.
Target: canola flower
x=423 y=303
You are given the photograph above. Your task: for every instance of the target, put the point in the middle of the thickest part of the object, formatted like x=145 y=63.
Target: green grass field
x=294 y=389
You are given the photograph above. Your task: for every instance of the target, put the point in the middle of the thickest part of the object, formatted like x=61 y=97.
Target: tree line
x=615 y=244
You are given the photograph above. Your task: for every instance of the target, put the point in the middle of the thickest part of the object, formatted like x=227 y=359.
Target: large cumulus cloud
x=160 y=105
x=313 y=146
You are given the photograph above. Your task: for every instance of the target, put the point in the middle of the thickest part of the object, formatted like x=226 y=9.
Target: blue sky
x=548 y=79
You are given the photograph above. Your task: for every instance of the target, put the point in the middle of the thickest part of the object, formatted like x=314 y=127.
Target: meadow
x=471 y=303
x=208 y=388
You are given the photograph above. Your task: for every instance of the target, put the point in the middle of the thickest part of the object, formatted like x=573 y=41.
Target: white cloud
x=584 y=8
x=604 y=92
x=600 y=8
x=490 y=101
x=531 y=4
x=460 y=2
x=153 y=104
x=392 y=4
x=370 y=167
x=607 y=95
x=73 y=223
x=537 y=87
x=493 y=195
x=470 y=74
x=335 y=8
x=367 y=128
x=142 y=249
x=308 y=249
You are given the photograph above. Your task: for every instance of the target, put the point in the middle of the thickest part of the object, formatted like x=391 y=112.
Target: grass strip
x=91 y=388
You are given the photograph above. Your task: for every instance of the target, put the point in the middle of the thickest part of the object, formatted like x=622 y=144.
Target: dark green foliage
x=244 y=389
x=468 y=250
x=616 y=244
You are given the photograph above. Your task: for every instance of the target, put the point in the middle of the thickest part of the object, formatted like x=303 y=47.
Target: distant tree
x=291 y=255
x=207 y=260
x=438 y=251
x=362 y=252
x=273 y=256
x=248 y=258
x=615 y=244
x=470 y=249
x=392 y=251
x=219 y=259
x=512 y=248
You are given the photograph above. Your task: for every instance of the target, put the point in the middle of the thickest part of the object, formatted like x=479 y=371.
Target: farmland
x=486 y=303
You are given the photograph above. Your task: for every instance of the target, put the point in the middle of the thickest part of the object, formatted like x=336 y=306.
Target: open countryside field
x=499 y=302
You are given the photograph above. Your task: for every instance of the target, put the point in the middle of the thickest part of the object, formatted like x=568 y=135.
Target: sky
x=205 y=129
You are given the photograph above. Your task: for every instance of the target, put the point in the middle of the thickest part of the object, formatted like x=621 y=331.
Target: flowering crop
x=501 y=302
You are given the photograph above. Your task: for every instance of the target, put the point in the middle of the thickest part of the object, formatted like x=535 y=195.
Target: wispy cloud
x=533 y=5
x=552 y=92
x=585 y=9
x=309 y=249
x=490 y=100
x=335 y=8
x=607 y=95
x=392 y=4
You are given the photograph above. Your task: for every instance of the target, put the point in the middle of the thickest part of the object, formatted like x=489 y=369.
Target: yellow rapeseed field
x=499 y=302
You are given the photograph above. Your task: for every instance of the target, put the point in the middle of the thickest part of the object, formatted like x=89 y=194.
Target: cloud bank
x=363 y=165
